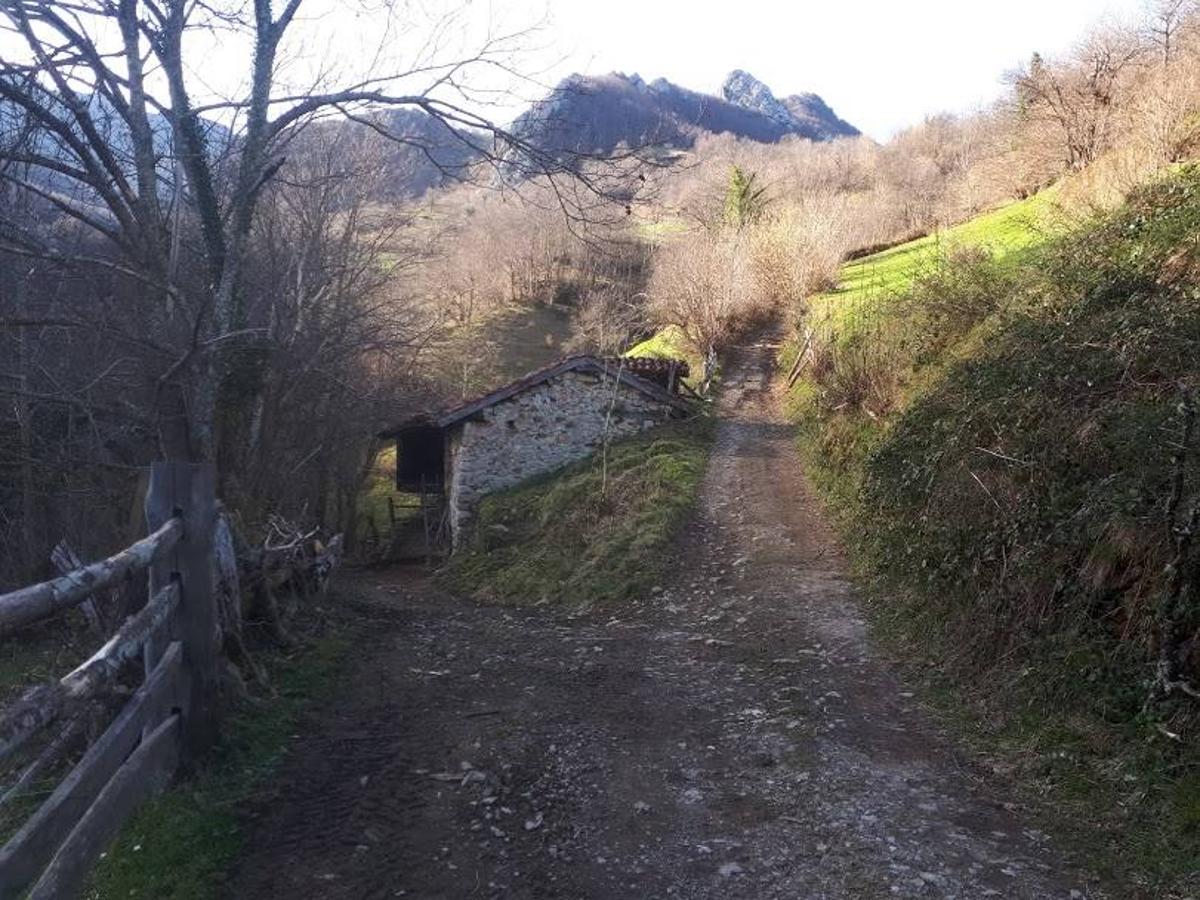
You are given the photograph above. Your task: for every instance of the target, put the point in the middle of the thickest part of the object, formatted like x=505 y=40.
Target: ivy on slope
x=1008 y=500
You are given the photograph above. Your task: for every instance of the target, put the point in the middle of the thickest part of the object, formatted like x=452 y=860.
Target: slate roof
x=586 y=363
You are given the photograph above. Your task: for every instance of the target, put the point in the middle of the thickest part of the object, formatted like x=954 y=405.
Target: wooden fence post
x=188 y=490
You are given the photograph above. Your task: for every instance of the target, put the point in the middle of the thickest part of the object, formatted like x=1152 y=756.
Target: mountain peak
x=597 y=113
x=801 y=113
x=744 y=90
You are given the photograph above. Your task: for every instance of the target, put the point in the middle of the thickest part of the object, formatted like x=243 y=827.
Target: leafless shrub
x=855 y=358
x=607 y=318
x=797 y=250
x=701 y=284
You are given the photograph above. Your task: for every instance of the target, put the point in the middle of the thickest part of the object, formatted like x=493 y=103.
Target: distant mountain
x=598 y=114
x=428 y=154
x=804 y=114
x=584 y=114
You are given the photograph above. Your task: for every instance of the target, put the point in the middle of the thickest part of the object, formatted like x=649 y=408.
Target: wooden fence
x=171 y=714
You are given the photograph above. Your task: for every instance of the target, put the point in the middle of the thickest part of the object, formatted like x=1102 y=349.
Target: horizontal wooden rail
x=31 y=848
x=46 y=703
x=99 y=671
x=40 y=601
x=173 y=639
x=142 y=776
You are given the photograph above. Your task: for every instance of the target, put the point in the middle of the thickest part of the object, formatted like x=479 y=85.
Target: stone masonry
x=543 y=428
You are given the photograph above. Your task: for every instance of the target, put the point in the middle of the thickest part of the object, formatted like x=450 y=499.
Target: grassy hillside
x=1003 y=231
x=1001 y=453
x=598 y=531
x=871 y=284
x=671 y=343
x=528 y=338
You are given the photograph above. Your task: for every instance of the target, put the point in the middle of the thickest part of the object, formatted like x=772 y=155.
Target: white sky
x=881 y=64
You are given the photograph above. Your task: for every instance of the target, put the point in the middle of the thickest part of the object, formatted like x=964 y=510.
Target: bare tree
x=607 y=319
x=701 y=284
x=1168 y=21
x=339 y=332
x=100 y=124
x=1079 y=99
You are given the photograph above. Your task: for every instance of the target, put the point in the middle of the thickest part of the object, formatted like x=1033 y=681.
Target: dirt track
x=732 y=735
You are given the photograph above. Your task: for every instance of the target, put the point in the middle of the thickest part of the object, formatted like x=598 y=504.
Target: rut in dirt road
x=731 y=735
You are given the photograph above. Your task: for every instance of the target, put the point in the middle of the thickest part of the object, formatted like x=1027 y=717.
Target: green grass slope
x=873 y=282
x=672 y=343
x=599 y=531
x=1002 y=468
x=184 y=844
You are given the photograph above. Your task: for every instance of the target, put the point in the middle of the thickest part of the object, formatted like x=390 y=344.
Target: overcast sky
x=881 y=64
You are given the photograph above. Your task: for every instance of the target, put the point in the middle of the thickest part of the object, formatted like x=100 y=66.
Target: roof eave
x=570 y=364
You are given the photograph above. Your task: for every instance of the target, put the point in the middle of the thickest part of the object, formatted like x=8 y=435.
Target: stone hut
x=544 y=421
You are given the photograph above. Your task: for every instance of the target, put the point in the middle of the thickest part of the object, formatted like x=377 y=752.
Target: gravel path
x=733 y=735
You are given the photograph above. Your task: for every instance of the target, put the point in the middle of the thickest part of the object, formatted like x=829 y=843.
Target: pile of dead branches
x=268 y=584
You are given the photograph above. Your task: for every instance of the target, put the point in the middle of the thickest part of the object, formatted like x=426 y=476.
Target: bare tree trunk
x=321 y=488
x=349 y=522
x=29 y=554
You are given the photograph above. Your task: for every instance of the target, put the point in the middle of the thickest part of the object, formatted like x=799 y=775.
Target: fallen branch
x=50 y=755
x=64 y=558
x=798 y=365
x=289 y=560
x=1004 y=456
x=979 y=481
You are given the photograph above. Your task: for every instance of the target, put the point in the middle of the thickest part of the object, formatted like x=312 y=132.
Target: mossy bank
x=1001 y=453
x=598 y=531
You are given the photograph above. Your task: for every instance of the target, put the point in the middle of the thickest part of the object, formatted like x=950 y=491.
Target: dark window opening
x=420 y=459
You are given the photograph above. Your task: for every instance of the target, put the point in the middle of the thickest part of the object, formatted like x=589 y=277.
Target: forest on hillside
x=260 y=290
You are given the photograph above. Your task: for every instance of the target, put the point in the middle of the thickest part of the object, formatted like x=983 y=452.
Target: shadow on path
x=732 y=735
